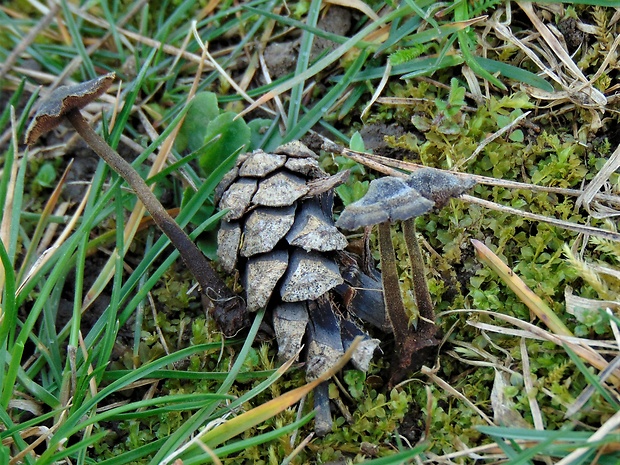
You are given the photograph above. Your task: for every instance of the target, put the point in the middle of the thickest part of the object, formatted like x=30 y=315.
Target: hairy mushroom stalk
x=66 y=101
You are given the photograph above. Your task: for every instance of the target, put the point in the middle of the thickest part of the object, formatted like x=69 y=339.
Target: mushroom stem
x=391 y=292
x=192 y=256
x=420 y=286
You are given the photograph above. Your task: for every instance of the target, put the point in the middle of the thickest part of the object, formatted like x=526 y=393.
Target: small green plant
x=357 y=184
x=211 y=134
x=448 y=117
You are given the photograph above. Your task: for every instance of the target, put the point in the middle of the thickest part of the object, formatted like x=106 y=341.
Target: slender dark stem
x=391 y=289
x=420 y=286
x=192 y=256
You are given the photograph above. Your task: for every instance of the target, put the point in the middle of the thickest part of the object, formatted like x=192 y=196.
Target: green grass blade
x=421 y=13
x=8 y=325
x=329 y=59
x=303 y=59
x=321 y=107
x=134 y=455
x=237 y=425
x=194 y=375
x=169 y=402
x=399 y=458
x=184 y=433
x=13 y=101
x=129 y=100
x=76 y=421
x=78 y=447
x=592 y=378
x=512 y=72
x=76 y=38
x=237 y=446
x=465 y=46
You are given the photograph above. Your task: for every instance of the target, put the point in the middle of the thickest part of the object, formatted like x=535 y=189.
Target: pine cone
x=280 y=235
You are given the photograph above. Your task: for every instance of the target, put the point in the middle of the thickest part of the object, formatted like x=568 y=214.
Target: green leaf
x=517 y=136
x=257 y=128
x=457 y=93
x=353 y=192
x=233 y=134
x=357 y=143
x=356 y=380
x=202 y=110
x=46 y=175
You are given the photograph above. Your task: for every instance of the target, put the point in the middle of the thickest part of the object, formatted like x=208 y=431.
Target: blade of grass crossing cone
x=527 y=296
x=267 y=410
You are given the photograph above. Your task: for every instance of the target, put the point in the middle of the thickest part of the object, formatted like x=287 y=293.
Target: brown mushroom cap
x=64 y=99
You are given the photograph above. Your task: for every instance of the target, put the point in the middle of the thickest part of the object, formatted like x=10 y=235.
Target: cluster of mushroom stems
x=393 y=199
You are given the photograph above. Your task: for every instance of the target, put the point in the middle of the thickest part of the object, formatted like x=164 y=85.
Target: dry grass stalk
x=582 y=347
x=454 y=392
x=384 y=165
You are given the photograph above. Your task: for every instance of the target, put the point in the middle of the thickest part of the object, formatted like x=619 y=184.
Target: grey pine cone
x=279 y=234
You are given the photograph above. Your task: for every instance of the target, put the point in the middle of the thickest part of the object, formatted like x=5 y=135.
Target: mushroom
x=388 y=199
x=391 y=199
x=66 y=102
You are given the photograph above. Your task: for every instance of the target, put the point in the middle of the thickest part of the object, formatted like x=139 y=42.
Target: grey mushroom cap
x=437 y=185
x=387 y=199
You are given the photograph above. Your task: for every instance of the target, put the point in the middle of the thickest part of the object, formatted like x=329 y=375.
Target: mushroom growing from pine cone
x=280 y=236
x=388 y=200
x=65 y=102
